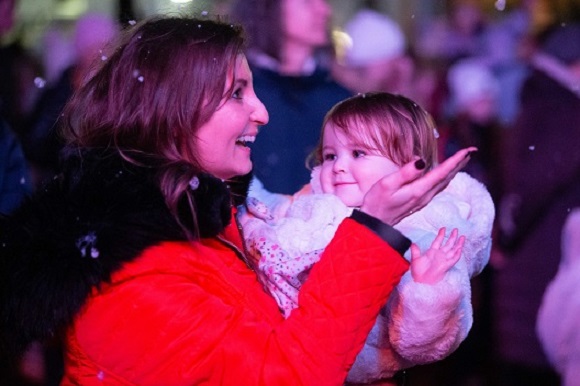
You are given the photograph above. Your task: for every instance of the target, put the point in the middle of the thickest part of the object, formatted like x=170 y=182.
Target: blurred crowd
x=506 y=81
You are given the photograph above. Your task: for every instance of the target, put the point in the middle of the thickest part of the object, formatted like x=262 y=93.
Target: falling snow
x=39 y=82
x=194 y=183
x=86 y=244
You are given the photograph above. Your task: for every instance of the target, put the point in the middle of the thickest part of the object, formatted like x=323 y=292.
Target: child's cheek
x=326 y=183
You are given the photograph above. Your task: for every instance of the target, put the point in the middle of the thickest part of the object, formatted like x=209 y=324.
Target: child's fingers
x=415 y=251
x=438 y=239
x=457 y=249
x=451 y=241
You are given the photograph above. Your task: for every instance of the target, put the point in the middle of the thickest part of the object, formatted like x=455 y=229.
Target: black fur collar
x=74 y=233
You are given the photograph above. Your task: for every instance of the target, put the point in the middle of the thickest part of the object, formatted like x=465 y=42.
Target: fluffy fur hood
x=80 y=228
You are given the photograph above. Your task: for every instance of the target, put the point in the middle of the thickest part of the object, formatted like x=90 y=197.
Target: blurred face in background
x=6 y=16
x=306 y=22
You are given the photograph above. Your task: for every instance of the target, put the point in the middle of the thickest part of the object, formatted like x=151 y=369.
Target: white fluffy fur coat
x=421 y=323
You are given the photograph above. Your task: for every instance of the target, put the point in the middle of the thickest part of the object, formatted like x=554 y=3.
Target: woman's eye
x=237 y=94
x=358 y=153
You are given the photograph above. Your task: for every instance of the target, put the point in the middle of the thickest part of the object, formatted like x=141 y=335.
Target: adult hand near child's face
x=399 y=194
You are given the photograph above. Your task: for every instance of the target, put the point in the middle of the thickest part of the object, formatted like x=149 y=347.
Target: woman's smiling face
x=221 y=143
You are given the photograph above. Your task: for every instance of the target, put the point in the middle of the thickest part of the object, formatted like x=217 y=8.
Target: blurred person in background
x=504 y=45
x=375 y=56
x=455 y=35
x=15 y=183
x=41 y=142
x=541 y=186
x=472 y=119
x=290 y=53
x=18 y=67
x=559 y=314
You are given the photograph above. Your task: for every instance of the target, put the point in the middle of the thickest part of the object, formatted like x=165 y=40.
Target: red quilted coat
x=189 y=315
x=98 y=256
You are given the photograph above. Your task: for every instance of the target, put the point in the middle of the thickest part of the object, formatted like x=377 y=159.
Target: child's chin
x=352 y=202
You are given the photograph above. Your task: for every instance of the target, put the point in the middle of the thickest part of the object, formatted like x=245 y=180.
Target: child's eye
x=358 y=153
x=328 y=157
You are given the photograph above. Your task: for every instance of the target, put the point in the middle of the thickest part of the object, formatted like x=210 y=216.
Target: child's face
x=348 y=169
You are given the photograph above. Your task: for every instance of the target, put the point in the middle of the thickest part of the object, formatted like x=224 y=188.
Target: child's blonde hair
x=394 y=125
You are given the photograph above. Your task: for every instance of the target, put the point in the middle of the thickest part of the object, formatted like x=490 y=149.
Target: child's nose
x=339 y=165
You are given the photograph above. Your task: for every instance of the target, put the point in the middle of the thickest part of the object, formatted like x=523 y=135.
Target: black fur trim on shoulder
x=239 y=188
x=212 y=204
x=79 y=229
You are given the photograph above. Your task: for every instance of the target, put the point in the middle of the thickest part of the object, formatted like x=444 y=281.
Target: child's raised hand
x=431 y=266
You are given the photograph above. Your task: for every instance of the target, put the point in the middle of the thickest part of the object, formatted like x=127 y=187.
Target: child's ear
x=571 y=237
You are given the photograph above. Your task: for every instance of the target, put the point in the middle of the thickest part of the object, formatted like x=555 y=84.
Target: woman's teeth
x=245 y=140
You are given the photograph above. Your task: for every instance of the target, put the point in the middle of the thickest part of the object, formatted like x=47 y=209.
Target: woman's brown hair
x=161 y=81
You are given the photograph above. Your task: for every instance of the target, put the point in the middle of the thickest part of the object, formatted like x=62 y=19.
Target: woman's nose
x=260 y=114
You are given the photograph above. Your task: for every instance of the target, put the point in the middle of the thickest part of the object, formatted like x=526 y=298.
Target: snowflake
x=87 y=243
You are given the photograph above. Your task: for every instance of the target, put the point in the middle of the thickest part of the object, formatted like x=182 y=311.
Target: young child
x=363 y=139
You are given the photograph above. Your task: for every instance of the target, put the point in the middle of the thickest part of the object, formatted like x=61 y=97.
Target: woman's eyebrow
x=242 y=82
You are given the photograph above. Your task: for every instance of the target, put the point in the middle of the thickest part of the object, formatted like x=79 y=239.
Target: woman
x=131 y=253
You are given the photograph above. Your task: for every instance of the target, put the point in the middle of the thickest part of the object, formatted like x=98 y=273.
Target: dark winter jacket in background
x=296 y=106
x=543 y=182
x=15 y=183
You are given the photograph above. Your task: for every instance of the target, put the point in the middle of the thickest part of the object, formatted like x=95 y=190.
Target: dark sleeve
x=389 y=234
x=15 y=183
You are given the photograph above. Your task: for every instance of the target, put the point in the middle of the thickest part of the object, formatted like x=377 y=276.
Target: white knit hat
x=469 y=80
x=374 y=36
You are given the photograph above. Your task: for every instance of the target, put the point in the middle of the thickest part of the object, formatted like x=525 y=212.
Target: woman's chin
x=241 y=171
